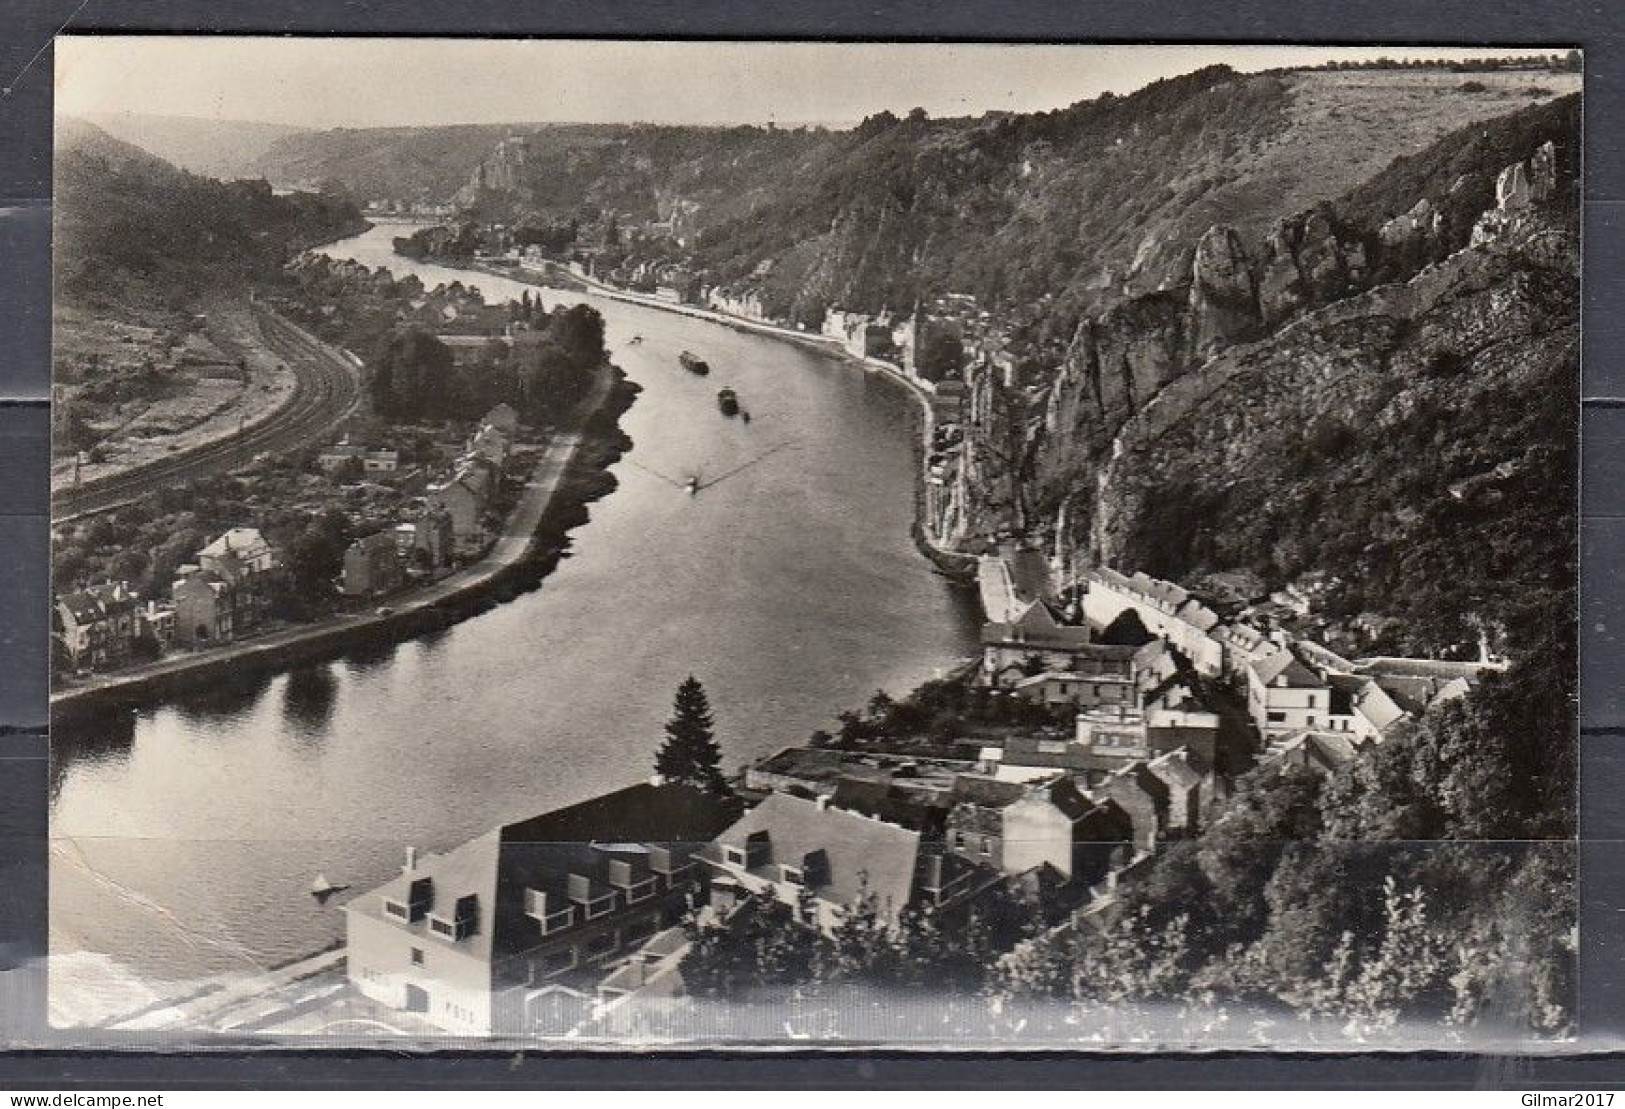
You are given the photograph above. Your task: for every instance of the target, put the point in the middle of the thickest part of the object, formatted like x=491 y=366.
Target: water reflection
x=431 y=641
x=308 y=699
x=228 y=699
x=366 y=657
x=106 y=737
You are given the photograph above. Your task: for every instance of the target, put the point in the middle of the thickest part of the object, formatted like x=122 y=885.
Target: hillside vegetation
x=132 y=229
x=1072 y=207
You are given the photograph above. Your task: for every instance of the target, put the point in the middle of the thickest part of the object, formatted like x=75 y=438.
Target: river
x=185 y=836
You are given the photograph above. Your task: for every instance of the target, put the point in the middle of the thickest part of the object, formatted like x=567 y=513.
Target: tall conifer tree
x=690 y=754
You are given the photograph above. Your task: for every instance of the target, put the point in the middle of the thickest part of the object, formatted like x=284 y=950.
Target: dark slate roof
x=1285 y=662
x=543 y=852
x=861 y=853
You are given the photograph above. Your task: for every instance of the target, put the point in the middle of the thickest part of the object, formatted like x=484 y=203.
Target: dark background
x=26 y=28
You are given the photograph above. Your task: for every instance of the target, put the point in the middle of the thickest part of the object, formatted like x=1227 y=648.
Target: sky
x=337 y=82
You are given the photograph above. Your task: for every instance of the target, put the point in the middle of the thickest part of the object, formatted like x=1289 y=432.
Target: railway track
x=327 y=387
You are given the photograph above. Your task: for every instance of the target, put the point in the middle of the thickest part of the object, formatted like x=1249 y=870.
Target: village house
x=1322 y=752
x=1360 y=707
x=1417 y=684
x=475 y=939
x=822 y=771
x=1144 y=796
x=821 y=859
x=1037 y=643
x=99 y=624
x=428 y=542
x=1284 y=695
x=503 y=417
x=372 y=565
x=157 y=620
x=1190 y=790
x=373 y=462
x=228 y=591
x=1018 y=828
x=204 y=612
x=491 y=444
x=862 y=335
x=1165 y=609
x=463 y=497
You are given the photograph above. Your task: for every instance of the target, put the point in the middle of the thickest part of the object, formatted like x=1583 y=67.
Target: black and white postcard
x=657 y=544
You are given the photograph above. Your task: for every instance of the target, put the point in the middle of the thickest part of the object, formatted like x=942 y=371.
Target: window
x=987 y=846
x=734 y=855
x=555 y=963
x=1277 y=717
x=642 y=930
x=1311 y=720
x=791 y=874
x=417 y=956
x=440 y=926
x=959 y=839
x=1311 y=700
x=395 y=909
x=601 y=907
x=558 y=921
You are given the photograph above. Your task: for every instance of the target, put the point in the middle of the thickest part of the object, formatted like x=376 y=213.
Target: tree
x=941 y=352
x=409 y=375
x=758 y=945
x=1127 y=630
x=313 y=560
x=690 y=754
x=579 y=329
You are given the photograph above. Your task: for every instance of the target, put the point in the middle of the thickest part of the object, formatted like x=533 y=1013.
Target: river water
x=185 y=836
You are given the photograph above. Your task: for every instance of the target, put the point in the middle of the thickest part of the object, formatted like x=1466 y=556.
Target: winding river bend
x=186 y=835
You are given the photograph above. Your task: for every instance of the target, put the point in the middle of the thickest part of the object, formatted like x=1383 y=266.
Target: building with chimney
x=372 y=565
x=823 y=860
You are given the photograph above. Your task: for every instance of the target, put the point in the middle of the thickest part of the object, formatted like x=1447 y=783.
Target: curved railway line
x=327 y=387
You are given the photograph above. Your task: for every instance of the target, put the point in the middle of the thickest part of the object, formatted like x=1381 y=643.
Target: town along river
x=186 y=835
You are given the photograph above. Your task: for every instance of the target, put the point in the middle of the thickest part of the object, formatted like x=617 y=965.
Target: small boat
x=728 y=401
x=634 y=340
x=692 y=485
x=693 y=363
x=321 y=889
x=745 y=416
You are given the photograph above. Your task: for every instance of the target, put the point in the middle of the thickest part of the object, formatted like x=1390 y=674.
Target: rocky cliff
x=1166 y=434
x=1402 y=438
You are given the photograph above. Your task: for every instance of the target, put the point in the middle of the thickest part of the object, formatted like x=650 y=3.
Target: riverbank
x=572 y=472
x=957 y=565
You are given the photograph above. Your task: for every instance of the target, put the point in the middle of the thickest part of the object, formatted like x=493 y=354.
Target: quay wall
x=585 y=478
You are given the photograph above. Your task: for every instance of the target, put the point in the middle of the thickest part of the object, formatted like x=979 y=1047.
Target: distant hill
x=1083 y=205
x=224 y=149
x=132 y=230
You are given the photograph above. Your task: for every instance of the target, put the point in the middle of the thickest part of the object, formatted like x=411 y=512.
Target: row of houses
x=451 y=521
x=1133 y=705
x=1308 y=703
x=223 y=593
x=464 y=493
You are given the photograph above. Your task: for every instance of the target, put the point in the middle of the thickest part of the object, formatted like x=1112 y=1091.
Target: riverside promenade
x=400 y=616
